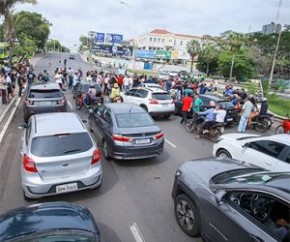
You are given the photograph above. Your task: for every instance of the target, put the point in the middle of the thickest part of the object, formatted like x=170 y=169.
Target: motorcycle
x=213 y=132
x=90 y=103
x=284 y=127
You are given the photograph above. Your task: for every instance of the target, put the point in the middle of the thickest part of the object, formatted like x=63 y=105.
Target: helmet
x=264 y=99
x=116 y=85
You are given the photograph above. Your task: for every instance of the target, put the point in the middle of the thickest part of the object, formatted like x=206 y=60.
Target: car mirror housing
x=220 y=197
x=245 y=146
x=23 y=126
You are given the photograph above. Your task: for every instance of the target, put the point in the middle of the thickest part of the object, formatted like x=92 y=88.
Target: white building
x=161 y=39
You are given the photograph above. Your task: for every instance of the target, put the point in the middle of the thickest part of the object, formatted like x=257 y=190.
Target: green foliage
x=278 y=105
x=1 y=33
x=193 y=49
x=252 y=87
x=280 y=85
x=207 y=59
x=32 y=26
x=265 y=86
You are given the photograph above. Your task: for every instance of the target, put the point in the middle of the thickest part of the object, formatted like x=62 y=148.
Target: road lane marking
x=3 y=132
x=70 y=106
x=136 y=233
x=168 y=142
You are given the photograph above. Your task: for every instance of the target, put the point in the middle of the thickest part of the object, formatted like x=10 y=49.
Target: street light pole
x=277 y=46
x=134 y=10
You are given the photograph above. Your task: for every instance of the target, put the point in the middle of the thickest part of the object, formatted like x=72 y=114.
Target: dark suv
x=44 y=98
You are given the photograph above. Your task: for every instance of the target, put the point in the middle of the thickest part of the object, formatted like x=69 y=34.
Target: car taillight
x=159 y=136
x=96 y=156
x=121 y=138
x=29 y=164
x=62 y=101
x=28 y=102
x=153 y=101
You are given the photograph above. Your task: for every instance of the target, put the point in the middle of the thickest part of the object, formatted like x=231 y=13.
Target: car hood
x=45 y=216
x=204 y=169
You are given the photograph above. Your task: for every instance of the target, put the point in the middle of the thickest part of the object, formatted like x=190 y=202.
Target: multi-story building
x=162 y=40
x=271 y=28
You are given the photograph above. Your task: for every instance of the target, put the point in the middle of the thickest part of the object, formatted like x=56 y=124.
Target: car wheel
x=223 y=153
x=106 y=150
x=167 y=116
x=186 y=215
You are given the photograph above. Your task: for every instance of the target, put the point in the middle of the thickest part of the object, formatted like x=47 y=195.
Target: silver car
x=58 y=156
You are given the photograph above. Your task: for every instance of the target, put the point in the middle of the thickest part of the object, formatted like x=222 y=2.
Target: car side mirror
x=245 y=146
x=23 y=126
x=220 y=197
x=84 y=121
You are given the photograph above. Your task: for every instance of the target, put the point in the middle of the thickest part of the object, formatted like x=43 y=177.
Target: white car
x=151 y=85
x=155 y=101
x=269 y=152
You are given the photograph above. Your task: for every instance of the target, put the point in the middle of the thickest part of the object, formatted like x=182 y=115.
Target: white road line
x=168 y=142
x=9 y=120
x=70 y=106
x=136 y=233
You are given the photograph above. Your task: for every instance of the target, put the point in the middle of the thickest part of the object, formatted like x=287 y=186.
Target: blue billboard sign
x=100 y=37
x=145 y=54
x=114 y=38
x=116 y=50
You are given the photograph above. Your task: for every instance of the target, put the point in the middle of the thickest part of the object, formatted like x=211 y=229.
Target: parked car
x=126 y=131
x=58 y=156
x=155 y=101
x=51 y=221
x=228 y=106
x=224 y=200
x=71 y=57
x=43 y=98
x=164 y=75
x=173 y=73
x=269 y=152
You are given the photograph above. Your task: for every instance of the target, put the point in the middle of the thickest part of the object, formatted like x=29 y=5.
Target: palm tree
x=193 y=49
x=6 y=10
x=209 y=53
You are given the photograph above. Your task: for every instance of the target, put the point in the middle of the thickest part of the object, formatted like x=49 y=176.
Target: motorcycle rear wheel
x=261 y=126
x=214 y=135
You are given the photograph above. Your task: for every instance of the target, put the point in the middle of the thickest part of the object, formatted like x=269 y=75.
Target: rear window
x=61 y=144
x=131 y=120
x=51 y=93
x=161 y=96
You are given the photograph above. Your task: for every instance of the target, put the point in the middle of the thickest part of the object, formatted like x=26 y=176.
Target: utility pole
x=277 y=46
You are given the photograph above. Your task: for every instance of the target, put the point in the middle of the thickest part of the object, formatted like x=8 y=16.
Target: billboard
x=108 y=49
x=100 y=37
x=145 y=54
x=114 y=38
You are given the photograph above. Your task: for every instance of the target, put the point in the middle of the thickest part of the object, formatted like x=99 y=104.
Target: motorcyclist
x=264 y=106
x=115 y=93
x=209 y=118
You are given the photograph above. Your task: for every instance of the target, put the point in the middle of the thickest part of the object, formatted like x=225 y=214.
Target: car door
x=205 y=102
x=97 y=122
x=106 y=125
x=227 y=220
x=129 y=96
x=284 y=160
x=141 y=97
x=262 y=153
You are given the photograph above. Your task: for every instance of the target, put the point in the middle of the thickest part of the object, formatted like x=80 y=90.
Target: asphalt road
x=134 y=202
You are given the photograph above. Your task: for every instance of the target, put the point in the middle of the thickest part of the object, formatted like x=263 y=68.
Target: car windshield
x=61 y=144
x=226 y=104
x=50 y=93
x=132 y=120
x=161 y=96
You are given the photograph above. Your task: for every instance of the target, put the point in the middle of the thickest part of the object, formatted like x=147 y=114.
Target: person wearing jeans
x=245 y=115
x=3 y=87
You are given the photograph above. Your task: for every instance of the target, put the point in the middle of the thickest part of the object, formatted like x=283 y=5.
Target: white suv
x=155 y=101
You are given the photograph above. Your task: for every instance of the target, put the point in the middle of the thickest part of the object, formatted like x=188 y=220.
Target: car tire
x=223 y=153
x=106 y=150
x=187 y=215
x=167 y=116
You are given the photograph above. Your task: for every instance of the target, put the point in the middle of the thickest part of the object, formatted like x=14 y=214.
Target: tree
x=6 y=11
x=32 y=26
x=209 y=55
x=193 y=49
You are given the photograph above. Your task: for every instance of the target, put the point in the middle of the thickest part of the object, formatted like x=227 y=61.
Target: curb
x=7 y=108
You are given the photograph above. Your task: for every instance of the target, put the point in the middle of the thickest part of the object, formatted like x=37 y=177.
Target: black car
x=44 y=98
x=228 y=106
x=126 y=131
x=51 y=221
x=225 y=200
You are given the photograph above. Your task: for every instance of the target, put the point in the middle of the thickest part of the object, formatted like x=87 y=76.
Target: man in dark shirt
x=264 y=106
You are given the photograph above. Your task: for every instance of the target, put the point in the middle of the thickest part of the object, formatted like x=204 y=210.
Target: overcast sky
x=72 y=18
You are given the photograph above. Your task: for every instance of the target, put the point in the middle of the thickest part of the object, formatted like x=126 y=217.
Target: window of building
x=162 y=40
x=154 y=39
x=181 y=42
x=150 y=39
x=158 y=40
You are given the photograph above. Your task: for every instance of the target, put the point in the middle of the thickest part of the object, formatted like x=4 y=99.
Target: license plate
x=44 y=103
x=66 y=188
x=142 y=141
x=230 y=119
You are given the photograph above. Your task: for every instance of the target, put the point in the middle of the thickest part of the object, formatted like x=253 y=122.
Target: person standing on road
x=197 y=103
x=58 y=79
x=186 y=108
x=3 y=86
x=245 y=115
x=30 y=78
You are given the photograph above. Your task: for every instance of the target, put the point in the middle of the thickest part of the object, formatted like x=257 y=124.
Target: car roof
x=152 y=89
x=213 y=97
x=283 y=138
x=125 y=108
x=44 y=217
x=57 y=123
x=46 y=86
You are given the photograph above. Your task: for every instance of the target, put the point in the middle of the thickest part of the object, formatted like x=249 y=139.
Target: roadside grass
x=278 y=105
x=140 y=72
